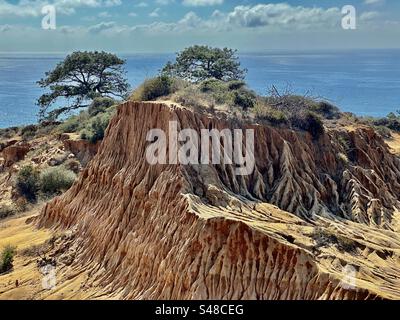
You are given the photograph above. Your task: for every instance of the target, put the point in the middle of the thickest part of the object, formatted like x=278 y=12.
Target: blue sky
x=169 y=25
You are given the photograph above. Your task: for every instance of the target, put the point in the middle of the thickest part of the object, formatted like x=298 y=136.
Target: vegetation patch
x=7 y=211
x=56 y=180
x=325 y=238
x=27 y=183
x=7 y=259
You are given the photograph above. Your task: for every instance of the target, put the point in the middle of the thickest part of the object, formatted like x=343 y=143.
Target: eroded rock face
x=82 y=149
x=15 y=153
x=201 y=232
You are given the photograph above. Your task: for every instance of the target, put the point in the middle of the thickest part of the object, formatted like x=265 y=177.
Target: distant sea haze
x=365 y=82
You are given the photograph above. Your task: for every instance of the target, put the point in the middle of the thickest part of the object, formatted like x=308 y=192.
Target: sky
x=165 y=26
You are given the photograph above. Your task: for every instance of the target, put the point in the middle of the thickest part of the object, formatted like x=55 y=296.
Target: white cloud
x=264 y=17
x=283 y=15
x=24 y=8
x=101 y=27
x=202 y=3
x=142 y=5
x=104 y=14
x=369 y=15
x=5 y=28
x=164 y=2
x=374 y=1
x=155 y=13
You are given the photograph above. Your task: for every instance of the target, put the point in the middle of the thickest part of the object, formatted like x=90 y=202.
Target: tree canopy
x=80 y=78
x=198 y=63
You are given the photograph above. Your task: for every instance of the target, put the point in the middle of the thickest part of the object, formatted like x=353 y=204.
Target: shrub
x=154 y=88
x=72 y=165
x=273 y=116
x=245 y=99
x=85 y=134
x=27 y=183
x=212 y=85
x=236 y=85
x=309 y=122
x=7 y=211
x=384 y=132
x=8 y=132
x=191 y=96
x=7 y=259
x=28 y=132
x=290 y=102
x=325 y=109
x=390 y=122
x=99 y=126
x=74 y=123
x=56 y=180
x=100 y=105
x=95 y=129
x=229 y=93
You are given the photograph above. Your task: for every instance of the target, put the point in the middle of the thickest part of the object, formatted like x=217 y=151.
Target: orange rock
x=82 y=149
x=200 y=232
x=14 y=153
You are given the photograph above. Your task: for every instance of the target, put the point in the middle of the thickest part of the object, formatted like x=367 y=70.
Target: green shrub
x=100 y=105
x=95 y=129
x=7 y=259
x=384 y=132
x=27 y=183
x=236 y=85
x=212 y=85
x=308 y=121
x=9 y=132
x=28 y=132
x=74 y=123
x=154 y=88
x=326 y=110
x=99 y=126
x=56 y=180
x=244 y=99
x=85 y=134
x=273 y=116
x=393 y=123
x=229 y=93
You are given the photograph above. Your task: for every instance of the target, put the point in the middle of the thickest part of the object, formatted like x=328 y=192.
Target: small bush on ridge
x=7 y=259
x=56 y=180
x=27 y=183
x=154 y=88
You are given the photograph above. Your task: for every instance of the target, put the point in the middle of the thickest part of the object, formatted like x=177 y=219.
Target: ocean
x=365 y=82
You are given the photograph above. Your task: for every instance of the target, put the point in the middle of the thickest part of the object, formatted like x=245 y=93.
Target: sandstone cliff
x=311 y=211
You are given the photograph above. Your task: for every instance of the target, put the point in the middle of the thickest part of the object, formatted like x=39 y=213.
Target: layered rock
x=287 y=231
x=14 y=153
x=82 y=149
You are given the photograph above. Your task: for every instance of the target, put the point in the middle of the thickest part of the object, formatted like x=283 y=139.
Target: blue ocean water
x=365 y=82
